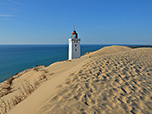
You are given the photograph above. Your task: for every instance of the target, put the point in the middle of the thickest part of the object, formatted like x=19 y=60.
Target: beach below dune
x=114 y=79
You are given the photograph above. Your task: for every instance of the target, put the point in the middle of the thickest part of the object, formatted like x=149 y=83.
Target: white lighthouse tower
x=74 y=46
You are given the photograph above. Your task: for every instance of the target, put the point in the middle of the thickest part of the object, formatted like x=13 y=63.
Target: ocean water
x=16 y=58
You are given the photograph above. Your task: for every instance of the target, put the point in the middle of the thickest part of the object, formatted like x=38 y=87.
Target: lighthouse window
x=75 y=41
x=75 y=45
x=75 y=49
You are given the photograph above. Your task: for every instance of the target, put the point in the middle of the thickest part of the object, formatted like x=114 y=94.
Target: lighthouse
x=74 y=46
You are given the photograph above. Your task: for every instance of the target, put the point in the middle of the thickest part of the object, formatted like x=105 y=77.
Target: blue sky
x=96 y=21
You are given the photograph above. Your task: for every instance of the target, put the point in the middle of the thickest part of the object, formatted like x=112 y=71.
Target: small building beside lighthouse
x=74 y=46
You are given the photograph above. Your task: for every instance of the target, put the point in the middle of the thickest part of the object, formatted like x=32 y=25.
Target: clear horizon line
x=80 y=44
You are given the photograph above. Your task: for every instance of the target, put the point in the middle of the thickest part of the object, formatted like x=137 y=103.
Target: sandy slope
x=111 y=83
x=107 y=50
x=44 y=92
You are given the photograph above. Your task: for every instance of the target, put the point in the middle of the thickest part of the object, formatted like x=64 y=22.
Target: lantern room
x=74 y=34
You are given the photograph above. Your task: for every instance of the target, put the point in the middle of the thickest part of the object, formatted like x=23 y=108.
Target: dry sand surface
x=112 y=80
x=106 y=50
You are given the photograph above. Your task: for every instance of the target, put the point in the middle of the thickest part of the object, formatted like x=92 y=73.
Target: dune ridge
x=114 y=79
x=107 y=50
x=112 y=84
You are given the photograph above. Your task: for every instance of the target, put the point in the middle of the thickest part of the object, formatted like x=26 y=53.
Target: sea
x=16 y=58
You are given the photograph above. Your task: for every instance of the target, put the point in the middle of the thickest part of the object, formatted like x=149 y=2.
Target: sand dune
x=114 y=84
x=107 y=50
x=112 y=80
